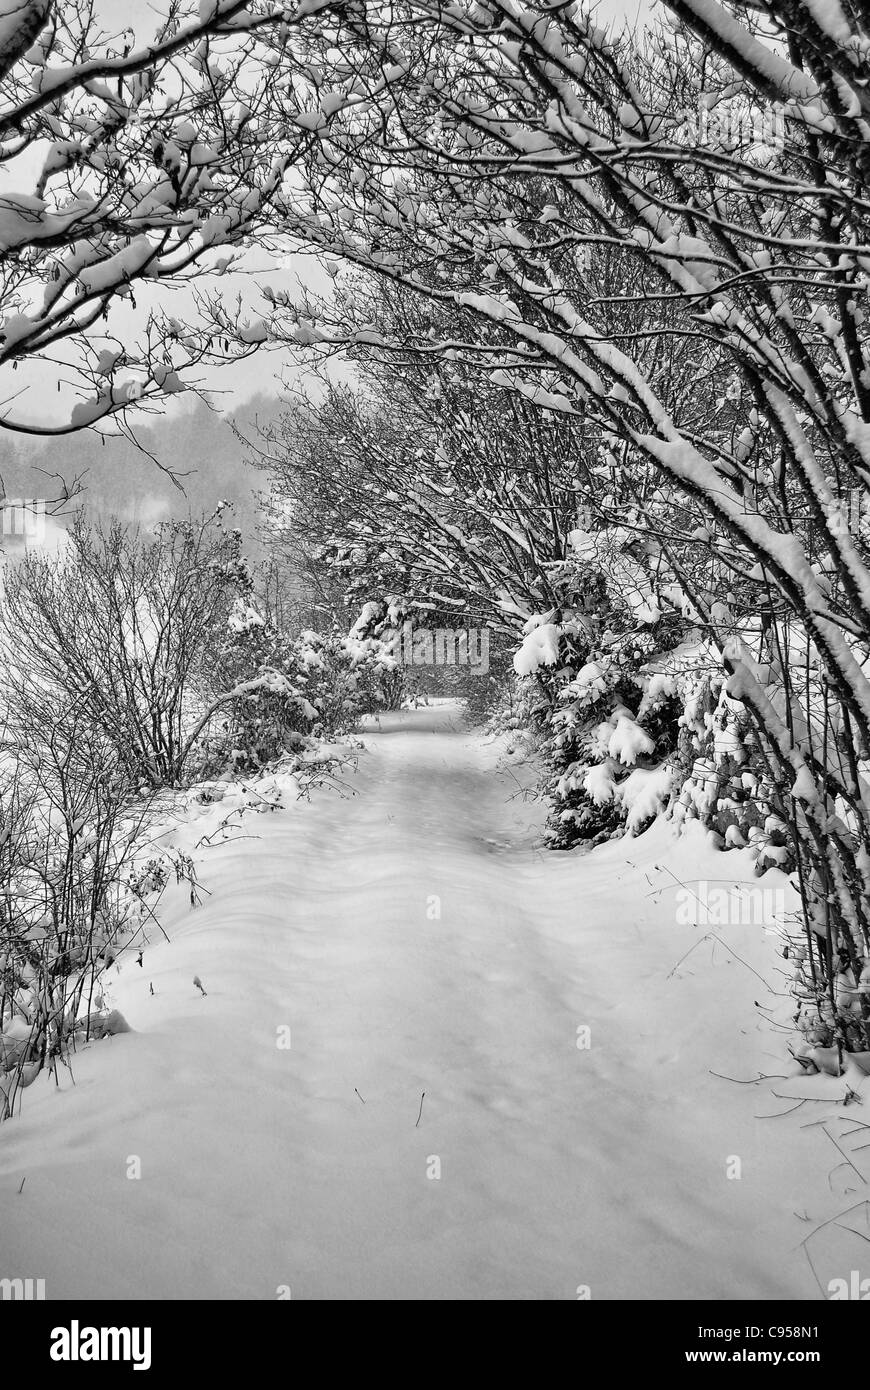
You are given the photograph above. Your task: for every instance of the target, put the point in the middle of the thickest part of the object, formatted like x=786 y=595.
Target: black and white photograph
x=434 y=663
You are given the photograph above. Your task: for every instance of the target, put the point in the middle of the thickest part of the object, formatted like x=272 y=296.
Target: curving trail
x=413 y=939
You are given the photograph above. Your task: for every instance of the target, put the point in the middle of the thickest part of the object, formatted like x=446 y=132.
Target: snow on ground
x=562 y=1166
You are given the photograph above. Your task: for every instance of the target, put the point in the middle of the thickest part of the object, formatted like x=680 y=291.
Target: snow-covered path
x=412 y=939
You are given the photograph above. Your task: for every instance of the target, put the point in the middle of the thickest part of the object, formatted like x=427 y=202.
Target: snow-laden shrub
x=347 y=676
x=633 y=713
x=720 y=776
x=612 y=732
x=286 y=690
x=265 y=713
x=605 y=710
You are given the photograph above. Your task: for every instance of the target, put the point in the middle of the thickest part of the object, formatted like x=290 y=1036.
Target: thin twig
x=753 y=1081
x=779 y=1114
